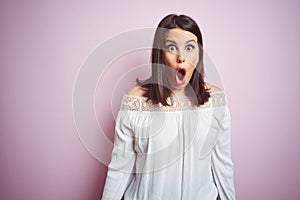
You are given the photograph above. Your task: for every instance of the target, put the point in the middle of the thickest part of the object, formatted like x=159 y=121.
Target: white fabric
x=178 y=152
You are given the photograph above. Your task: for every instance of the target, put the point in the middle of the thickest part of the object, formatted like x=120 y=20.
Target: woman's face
x=181 y=54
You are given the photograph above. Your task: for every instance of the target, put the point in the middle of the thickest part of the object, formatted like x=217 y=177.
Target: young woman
x=172 y=134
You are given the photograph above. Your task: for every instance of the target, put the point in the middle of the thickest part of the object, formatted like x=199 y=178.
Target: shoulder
x=131 y=100
x=217 y=95
x=136 y=91
x=212 y=88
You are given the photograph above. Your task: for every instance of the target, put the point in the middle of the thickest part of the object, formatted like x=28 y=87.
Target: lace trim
x=135 y=103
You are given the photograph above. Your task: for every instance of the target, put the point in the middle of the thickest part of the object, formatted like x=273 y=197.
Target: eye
x=171 y=47
x=189 y=47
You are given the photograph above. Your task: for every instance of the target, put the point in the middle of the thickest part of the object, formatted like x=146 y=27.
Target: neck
x=179 y=92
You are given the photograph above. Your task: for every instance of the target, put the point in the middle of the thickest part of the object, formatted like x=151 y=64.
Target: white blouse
x=177 y=152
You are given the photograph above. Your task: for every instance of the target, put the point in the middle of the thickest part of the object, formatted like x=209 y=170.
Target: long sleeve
x=123 y=159
x=222 y=165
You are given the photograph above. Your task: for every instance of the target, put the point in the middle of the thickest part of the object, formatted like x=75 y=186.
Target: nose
x=180 y=59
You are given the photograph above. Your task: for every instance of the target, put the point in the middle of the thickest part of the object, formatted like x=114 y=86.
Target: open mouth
x=180 y=73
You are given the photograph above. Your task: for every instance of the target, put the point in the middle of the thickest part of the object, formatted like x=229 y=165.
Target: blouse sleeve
x=123 y=159
x=222 y=165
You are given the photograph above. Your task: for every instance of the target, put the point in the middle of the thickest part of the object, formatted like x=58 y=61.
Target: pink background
x=255 y=46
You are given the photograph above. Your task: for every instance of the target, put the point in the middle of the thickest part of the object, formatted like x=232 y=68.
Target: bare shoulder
x=136 y=91
x=212 y=88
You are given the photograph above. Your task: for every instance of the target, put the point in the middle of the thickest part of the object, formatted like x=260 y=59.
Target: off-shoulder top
x=176 y=152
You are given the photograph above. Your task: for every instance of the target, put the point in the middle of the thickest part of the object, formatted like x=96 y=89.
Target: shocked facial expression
x=181 y=55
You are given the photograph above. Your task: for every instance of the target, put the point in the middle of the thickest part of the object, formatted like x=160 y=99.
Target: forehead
x=180 y=35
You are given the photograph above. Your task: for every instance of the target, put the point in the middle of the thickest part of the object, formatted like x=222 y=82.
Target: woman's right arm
x=123 y=158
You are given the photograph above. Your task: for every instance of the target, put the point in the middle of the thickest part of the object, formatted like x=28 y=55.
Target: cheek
x=190 y=73
x=192 y=66
x=169 y=59
x=193 y=59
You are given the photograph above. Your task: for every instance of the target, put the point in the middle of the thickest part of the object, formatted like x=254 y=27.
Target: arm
x=123 y=159
x=222 y=165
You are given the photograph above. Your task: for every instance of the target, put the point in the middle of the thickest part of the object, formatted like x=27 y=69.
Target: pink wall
x=254 y=46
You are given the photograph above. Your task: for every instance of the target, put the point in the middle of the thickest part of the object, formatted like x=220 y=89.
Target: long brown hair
x=156 y=87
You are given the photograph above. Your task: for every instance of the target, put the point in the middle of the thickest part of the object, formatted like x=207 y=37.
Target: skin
x=181 y=51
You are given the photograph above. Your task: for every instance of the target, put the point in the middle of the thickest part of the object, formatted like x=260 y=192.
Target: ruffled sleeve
x=222 y=165
x=123 y=158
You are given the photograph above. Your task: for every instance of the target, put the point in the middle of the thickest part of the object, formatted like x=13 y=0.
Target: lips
x=180 y=74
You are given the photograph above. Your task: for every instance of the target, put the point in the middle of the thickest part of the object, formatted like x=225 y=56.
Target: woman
x=172 y=138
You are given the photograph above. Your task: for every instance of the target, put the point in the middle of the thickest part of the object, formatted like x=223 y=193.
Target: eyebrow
x=172 y=41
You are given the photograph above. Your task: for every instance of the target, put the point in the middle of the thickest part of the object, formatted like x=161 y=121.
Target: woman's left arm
x=222 y=165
